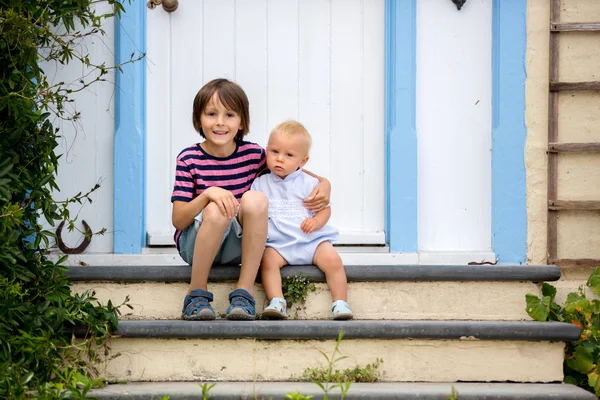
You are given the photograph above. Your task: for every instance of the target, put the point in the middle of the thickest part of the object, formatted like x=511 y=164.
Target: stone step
x=374 y=292
x=380 y=390
x=262 y=351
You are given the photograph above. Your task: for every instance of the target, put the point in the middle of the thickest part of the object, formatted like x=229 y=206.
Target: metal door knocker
x=79 y=249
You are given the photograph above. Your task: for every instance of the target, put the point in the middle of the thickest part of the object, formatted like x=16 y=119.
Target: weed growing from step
x=329 y=378
x=298 y=396
x=206 y=388
x=295 y=289
x=368 y=373
x=453 y=395
x=582 y=357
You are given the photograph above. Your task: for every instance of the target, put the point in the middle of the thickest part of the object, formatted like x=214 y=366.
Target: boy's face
x=285 y=154
x=220 y=126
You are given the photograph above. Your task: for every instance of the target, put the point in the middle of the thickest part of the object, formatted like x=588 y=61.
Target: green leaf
x=577 y=302
x=582 y=361
x=594 y=281
x=548 y=290
x=593 y=379
x=571 y=380
x=536 y=308
x=596 y=384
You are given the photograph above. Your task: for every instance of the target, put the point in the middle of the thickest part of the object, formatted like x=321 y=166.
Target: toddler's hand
x=224 y=199
x=309 y=225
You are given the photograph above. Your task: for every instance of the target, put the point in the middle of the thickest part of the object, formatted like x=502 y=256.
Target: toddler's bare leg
x=270 y=273
x=253 y=217
x=329 y=261
x=206 y=246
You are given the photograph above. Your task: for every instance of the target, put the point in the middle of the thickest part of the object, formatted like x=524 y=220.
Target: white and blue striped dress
x=286 y=213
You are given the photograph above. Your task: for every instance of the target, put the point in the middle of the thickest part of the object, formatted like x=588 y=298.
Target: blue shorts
x=230 y=252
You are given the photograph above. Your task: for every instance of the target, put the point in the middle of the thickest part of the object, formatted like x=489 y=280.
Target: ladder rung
x=575 y=27
x=573 y=147
x=577 y=205
x=575 y=262
x=558 y=86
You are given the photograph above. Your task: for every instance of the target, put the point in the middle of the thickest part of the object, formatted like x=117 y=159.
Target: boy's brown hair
x=231 y=95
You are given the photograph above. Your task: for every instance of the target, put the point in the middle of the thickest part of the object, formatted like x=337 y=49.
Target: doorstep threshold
x=350 y=256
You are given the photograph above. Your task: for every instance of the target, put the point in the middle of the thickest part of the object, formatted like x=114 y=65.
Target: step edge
x=359 y=329
x=354 y=273
x=380 y=390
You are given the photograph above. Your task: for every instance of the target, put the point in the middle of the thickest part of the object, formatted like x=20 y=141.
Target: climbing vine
x=39 y=355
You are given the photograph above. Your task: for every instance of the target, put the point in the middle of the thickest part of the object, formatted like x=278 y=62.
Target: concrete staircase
x=434 y=327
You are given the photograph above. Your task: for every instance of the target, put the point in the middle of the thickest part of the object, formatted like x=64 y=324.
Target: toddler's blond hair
x=293 y=128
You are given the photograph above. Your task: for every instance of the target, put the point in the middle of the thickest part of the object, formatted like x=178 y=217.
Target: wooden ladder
x=555 y=147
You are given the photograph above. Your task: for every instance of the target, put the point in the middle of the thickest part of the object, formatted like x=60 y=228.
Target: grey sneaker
x=196 y=306
x=241 y=305
x=341 y=310
x=277 y=309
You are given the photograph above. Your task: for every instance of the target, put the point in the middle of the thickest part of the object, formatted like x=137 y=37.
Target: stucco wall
x=579 y=121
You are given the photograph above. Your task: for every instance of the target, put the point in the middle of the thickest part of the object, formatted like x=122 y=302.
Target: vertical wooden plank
x=218 y=44
x=187 y=74
x=347 y=113
x=454 y=126
x=159 y=163
x=552 y=239
x=401 y=171
x=130 y=128
x=509 y=189
x=373 y=105
x=314 y=80
x=282 y=63
x=251 y=63
x=86 y=145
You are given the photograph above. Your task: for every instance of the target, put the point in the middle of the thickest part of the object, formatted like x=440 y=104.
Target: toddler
x=296 y=236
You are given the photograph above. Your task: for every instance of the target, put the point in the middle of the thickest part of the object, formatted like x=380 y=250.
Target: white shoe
x=277 y=309
x=341 y=310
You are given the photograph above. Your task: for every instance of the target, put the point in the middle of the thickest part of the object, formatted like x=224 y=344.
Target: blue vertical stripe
x=400 y=134
x=130 y=131
x=509 y=208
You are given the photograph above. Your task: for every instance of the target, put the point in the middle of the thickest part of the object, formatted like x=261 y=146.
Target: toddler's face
x=285 y=154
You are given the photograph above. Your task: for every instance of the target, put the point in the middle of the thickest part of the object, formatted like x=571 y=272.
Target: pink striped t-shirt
x=197 y=170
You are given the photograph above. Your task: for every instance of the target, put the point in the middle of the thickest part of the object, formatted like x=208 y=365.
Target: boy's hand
x=309 y=225
x=320 y=197
x=224 y=199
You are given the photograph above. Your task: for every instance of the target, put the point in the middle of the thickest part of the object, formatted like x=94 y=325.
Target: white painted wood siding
x=454 y=125
x=87 y=144
x=318 y=61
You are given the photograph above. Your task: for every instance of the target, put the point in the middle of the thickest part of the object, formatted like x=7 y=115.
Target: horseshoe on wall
x=79 y=249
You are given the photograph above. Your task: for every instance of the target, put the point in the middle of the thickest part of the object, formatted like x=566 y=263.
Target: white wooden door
x=318 y=61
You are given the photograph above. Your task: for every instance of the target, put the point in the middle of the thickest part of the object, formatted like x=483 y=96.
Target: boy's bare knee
x=254 y=202
x=212 y=214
